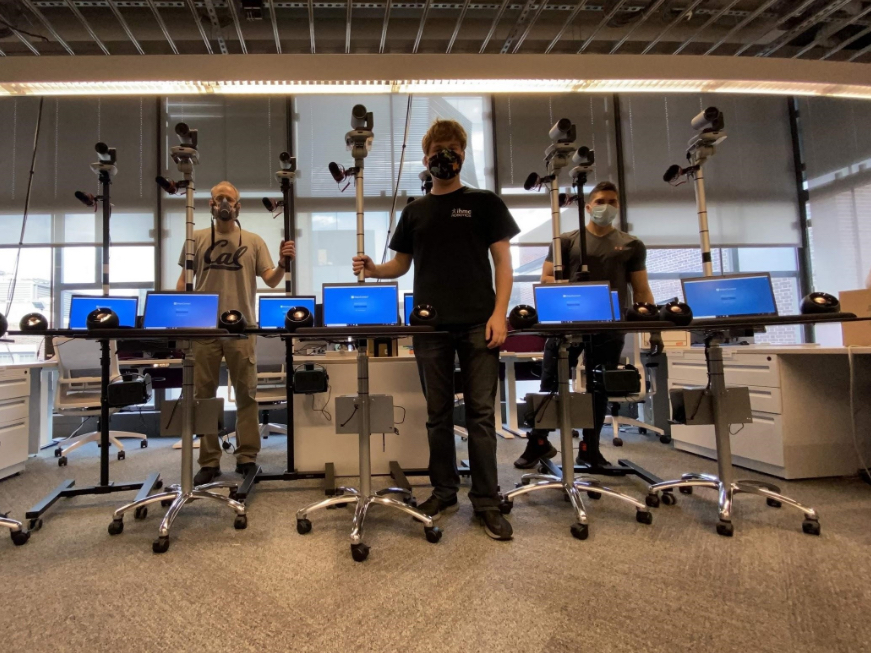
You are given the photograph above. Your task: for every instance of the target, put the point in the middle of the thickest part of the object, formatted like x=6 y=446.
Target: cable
x=323 y=410
x=404 y=413
x=11 y=294
x=391 y=222
x=853 y=412
x=350 y=417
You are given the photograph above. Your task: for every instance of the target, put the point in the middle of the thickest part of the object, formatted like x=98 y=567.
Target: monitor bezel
x=265 y=295
x=72 y=297
x=351 y=284
x=535 y=286
x=740 y=275
x=179 y=292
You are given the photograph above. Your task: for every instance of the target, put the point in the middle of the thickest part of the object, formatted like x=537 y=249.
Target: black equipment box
x=618 y=382
x=129 y=390
x=310 y=381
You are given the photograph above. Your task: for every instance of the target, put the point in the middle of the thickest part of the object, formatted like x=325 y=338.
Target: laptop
x=561 y=303
x=180 y=310
x=360 y=304
x=409 y=307
x=615 y=304
x=81 y=305
x=272 y=309
x=732 y=295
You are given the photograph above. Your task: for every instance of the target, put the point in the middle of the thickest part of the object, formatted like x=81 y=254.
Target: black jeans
x=479 y=368
x=603 y=350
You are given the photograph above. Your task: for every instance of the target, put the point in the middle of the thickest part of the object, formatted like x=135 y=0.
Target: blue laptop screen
x=558 y=303
x=181 y=311
x=615 y=302
x=361 y=305
x=274 y=309
x=409 y=307
x=124 y=307
x=730 y=296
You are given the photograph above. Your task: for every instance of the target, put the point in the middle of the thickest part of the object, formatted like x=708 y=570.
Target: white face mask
x=603 y=214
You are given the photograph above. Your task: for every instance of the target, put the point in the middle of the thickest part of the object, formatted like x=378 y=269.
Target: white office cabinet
x=14 y=409
x=800 y=401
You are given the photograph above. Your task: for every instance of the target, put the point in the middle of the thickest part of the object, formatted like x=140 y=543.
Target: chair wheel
x=35 y=524
x=668 y=499
x=62 y=461
x=233 y=494
x=618 y=442
x=652 y=501
x=58 y=452
x=642 y=430
x=433 y=534
x=303 y=526
x=575 y=433
x=141 y=512
x=116 y=527
x=160 y=545
x=158 y=485
x=685 y=490
x=810 y=527
x=19 y=537
x=725 y=529
x=359 y=552
x=410 y=501
x=643 y=517
x=241 y=522
x=166 y=503
x=121 y=455
x=580 y=531
x=594 y=495
x=143 y=444
x=774 y=503
x=665 y=439
x=505 y=507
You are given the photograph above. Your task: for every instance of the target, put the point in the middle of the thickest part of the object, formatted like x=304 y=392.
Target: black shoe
x=435 y=507
x=591 y=457
x=536 y=449
x=245 y=468
x=206 y=475
x=495 y=525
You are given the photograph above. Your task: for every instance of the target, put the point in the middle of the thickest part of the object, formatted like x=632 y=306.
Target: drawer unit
x=14 y=412
x=762 y=399
x=14 y=383
x=760 y=442
x=13 y=447
x=740 y=368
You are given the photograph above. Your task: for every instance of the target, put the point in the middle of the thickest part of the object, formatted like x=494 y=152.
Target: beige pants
x=241 y=363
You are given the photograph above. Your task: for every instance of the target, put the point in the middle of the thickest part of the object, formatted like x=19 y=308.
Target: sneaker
x=245 y=468
x=434 y=507
x=495 y=525
x=591 y=457
x=536 y=449
x=206 y=475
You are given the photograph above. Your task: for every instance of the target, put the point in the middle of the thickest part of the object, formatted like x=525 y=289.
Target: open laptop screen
x=730 y=296
x=180 y=311
x=361 y=304
x=81 y=305
x=559 y=303
x=273 y=309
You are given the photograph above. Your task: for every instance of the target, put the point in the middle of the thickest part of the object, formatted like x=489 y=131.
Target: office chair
x=648 y=389
x=271 y=392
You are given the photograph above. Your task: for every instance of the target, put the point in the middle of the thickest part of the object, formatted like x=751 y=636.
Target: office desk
x=511 y=426
x=800 y=401
x=25 y=411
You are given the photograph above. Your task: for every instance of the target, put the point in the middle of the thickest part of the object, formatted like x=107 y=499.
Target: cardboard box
x=858 y=302
x=670 y=339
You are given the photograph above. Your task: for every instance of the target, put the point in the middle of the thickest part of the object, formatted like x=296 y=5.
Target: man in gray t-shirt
x=227 y=261
x=612 y=256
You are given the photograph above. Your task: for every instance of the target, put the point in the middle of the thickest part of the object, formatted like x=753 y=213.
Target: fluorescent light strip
x=436 y=86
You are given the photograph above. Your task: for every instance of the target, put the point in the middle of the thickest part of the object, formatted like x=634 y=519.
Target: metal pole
x=565 y=413
x=555 y=224
x=187 y=382
x=721 y=426
x=704 y=235
x=189 y=233
x=288 y=234
x=288 y=385
x=104 y=413
x=106 y=181
x=361 y=245
x=580 y=180
x=365 y=425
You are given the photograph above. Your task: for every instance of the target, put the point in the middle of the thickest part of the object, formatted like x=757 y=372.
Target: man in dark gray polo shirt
x=613 y=256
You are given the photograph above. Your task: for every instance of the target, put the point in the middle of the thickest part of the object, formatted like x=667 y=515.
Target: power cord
x=323 y=409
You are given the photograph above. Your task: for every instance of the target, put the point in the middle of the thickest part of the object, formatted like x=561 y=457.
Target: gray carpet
x=674 y=585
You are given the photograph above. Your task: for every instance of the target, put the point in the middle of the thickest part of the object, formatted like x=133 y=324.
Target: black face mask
x=224 y=211
x=445 y=164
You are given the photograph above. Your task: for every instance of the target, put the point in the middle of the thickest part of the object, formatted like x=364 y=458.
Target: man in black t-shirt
x=613 y=256
x=450 y=235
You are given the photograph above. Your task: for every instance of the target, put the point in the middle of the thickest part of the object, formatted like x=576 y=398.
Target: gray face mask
x=603 y=214
x=224 y=211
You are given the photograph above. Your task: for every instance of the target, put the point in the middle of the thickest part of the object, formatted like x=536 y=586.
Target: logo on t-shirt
x=461 y=213
x=225 y=260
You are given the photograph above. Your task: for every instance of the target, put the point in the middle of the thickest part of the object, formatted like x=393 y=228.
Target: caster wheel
x=580 y=531
x=642 y=431
x=725 y=529
x=665 y=439
x=140 y=513
x=35 y=524
x=810 y=527
x=121 y=455
x=411 y=501
x=116 y=527
x=595 y=496
x=505 y=507
x=62 y=461
x=232 y=494
x=685 y=490
x=618 y=442
x=520 y=484
x=58 y=452
x=158 y=485
x=359 y=552
x=652 y=501
x=774 y=503
x=143 y=444
x=644 y=517
x=241 y=522
x=20 y=538
x=575 y=434
x=668 y=499
x=160 y=545
x=542 y=470
x=433 y=535
x=166 y=503
x=303 y=526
